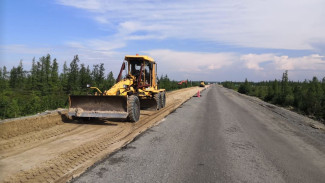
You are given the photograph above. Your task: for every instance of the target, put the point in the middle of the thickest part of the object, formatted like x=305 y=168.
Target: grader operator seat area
x=141 y=70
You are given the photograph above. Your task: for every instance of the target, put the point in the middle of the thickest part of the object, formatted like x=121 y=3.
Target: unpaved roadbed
x=52 y=148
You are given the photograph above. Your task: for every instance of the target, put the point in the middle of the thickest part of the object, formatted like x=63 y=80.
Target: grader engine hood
x=98 y=106
x=120 y=88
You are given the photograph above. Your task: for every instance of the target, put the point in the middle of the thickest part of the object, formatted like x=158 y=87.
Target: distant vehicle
x=202 y=84
x=184 y=81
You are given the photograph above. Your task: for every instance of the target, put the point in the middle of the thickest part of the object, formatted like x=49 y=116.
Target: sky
x=211 y=40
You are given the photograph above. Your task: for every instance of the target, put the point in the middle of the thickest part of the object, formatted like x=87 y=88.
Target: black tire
x=78 y=119
x=163 y=100
x=133 y=108
x=157 y=97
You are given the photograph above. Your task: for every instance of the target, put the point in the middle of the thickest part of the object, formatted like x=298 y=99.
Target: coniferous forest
x=46 y=86
x=307 y=97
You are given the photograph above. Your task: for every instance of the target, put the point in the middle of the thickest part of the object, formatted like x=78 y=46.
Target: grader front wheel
x=133 y=108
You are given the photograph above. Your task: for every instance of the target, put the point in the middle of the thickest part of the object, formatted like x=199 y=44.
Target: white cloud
x=184 y=63
x=276 y=24
x=252 y=61
x=313 y=62
x=91 y=5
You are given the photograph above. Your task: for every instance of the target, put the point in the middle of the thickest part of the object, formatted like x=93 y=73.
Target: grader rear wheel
x=133 y=108
x=157 y=97
x=163 y=100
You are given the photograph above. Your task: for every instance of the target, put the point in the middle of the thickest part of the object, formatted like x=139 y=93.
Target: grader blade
x=98 y=106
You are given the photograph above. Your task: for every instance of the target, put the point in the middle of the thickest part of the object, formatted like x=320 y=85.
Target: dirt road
x=53 y=148
x=221 y=137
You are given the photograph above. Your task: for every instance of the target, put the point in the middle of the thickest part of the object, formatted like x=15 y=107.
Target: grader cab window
x=135 y=70
x=147 y=72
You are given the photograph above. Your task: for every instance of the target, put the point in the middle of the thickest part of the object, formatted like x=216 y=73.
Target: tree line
x=307 y=97
x=44 y=87
x=169 y=85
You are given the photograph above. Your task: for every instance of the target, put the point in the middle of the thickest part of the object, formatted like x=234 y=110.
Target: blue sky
x=211 y=40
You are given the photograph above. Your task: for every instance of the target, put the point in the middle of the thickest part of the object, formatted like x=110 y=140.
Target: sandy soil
x=53 y=148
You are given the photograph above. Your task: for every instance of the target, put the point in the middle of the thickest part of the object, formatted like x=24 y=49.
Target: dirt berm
x=53 y=148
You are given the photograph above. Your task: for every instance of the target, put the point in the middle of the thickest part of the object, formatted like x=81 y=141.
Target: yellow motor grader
x=202 y=84
x=137 y=90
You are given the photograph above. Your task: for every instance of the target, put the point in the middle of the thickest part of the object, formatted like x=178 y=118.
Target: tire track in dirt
x=16 y=127
x=34 y=137
x=55 y=168
x=74 y=161
x=30 y=141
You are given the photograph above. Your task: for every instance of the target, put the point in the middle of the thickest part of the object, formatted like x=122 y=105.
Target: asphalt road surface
x=219 y=137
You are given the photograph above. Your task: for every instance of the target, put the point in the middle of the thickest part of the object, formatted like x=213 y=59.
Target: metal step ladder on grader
x=137 y=90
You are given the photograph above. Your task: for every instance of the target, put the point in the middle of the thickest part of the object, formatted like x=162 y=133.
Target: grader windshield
x=142 y=71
